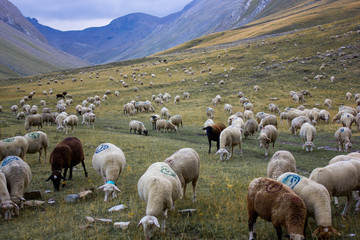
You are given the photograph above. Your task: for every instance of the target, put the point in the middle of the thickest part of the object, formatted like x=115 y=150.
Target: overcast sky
x=80 y=14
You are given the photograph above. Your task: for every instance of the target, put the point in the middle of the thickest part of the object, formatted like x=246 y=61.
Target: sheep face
x=325 y=232
x=109 y=189
x=150 y=223
x=296 y=237
x=56 y=177
x=8 y=208
x=347 y=147
x=222 y=152
x=145 y=132
x=309 y=146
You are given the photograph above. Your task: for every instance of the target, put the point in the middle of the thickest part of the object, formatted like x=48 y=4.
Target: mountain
x=138 y=35
x=24 y=50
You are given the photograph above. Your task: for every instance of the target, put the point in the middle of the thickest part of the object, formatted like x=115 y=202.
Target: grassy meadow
x=277 y=65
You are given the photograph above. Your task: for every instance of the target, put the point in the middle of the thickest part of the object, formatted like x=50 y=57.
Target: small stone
x=103 y=220
x=72 y=198
x=84 y=193
x=33 y=195
x=34 y=203
x=89 y=219
x=121 y=225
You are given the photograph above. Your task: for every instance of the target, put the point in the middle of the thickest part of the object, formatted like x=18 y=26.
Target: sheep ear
x=49 y=178
x=16 y=206
x=116 y=188
x=142 y=221
x=155 y=221
x=102 y=186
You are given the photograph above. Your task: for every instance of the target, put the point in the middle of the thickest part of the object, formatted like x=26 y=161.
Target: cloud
x=83 y=13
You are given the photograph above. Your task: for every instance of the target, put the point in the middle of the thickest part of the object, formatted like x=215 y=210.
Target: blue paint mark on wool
x=101 y=148
x=291 y=180
x=8 y=160
x=111 y=182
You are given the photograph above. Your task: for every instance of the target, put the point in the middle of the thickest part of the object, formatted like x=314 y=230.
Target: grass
x=222 y=186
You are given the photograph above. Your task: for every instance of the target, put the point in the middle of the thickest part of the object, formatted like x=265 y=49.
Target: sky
x=80 y=14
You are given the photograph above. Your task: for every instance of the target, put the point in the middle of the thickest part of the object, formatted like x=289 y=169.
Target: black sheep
x=213 y=134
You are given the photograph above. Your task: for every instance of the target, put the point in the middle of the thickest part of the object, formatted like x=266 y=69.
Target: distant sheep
x=228 y=108
x=281 y=162
x=176 y=99
x=109 y=161
x=153 y=120
x=71 y=121
x=268 y=120
x=297 y=122
x=268 y=134
x=210 y=113
x=213 y=134
x=250 y=127
x=324 y=115
x=165 y=112
x=33 y=120
x=328 y=103
x=177 y=120
x=13 y=146
x=166 y=125
x=307 y=133
x=138 y=126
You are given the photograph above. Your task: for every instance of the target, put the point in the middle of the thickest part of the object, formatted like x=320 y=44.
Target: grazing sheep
x=228 y=108
x=306 y=93
x=274 y=108
x=317 y=201
x=314 y=116
x=307 y=133
x=166 y=125
x=18 y=177
x=268 y=134
x=232 y=117
x=129 y=109
x=153 y=120
x=260 y=115
x=165 y=113
x=37 y=142
x=33 y=120
x=215 y=102
x=340 y=179
x=208 y=123
x=48 y=118
x=186 y=95
x=210 y=113
x=328 y=103
x=324 y=115
x=347 y=119
x=277 y=203
x=230 y=136
x=66 y=154
x=159 y=187
x=176 y=99
x=213 y=134
x=14 y=146
x=248 y=106
x=138 y=126
x=109 y=161
x=348 y=96
x=20 y=115
x=72 y=121
x=357 y=121
x=186 y=164
x=89 y=119
x=6 y=204
x=14 y=109
x=343 y=135
x=177 y=120
x=281 y=162
x=244 y=100
x=256 y=88
x=297 y=122
x=248 y=114
x=268 y=120
x=60 y=121
x=250 y=127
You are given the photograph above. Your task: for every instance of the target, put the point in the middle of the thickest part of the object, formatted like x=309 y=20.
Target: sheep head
x=325 y=232
x=292 y=236
x=223 y=151
x=149 y=224
x=348 y=147
x=56 y=177
x=309 y=146
x=109 y=188
x=8 y=207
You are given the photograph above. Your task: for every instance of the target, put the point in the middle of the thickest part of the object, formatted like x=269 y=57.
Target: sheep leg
x=251 y=223
x=217 y=144
x=163 y=225
x=279 y=232
x=240 y=148
x=347 y=205
x=40 y=155
x=45 y=154
x=184 y=191
x=194 y=190
x=83 y=164
x=336 y=201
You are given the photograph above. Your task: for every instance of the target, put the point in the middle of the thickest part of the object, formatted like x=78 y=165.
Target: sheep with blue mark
x=347 y=119
x=37 y=141
x=343 y=135
x=109 y=161
x=16 y=146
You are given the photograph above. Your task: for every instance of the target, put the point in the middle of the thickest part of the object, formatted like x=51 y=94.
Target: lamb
x=228 y=108
x=18 y=177
x=186 y=164
x=138 y=126
x=281 y=162
x=159 y=187
x=166 y=125
x=276 y=203
x=230 y=136
x=213 y=134
x=347 y=119
x=328 y=103
x=5 y=202
x=343 y=135
x=177 y=120
x=176 y=99
x=153 y=120
x=324 y=115
x=250 y=127
x=66 y=154
x=307 y=133
x=165 y=113
x=109 y=161
x=15 y=146
x=268 y=134
x=89 y=119
x=297 y=122
x=72 y=121
x=37 y=142
x=268 y=120
x=33 y=120
x=210 y=113
x=340 y=179
x=317 y=201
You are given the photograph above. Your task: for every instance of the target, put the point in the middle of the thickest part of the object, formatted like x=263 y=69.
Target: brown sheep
x=213 y=134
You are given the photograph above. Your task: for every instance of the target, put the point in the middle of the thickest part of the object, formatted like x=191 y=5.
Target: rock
x=187 y=211
x=273 y=99
x=51 y=201
x=34 y=203
x=117 y=208
x=33 y=195
x=121 y=225
x=103 y=220
x=89 y=219
x=72 y=198
x=84 y=193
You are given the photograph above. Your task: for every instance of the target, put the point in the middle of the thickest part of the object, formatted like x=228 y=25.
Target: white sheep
x=256 y=88
x=248 y=106
x=250 y=127
x=236 y=115
x=37 y=142
x=89 y=119
x=276 y=203
x=274 y=108
x=153 y=120
x=210 y=113
x=72 y=121
x=297 y=122
x=357 y=121
x=109 y=161
x=176 y=99
x=348 y=96
x=340 y=179
x=14 y=109
x=324 y=115
x=5 y=202
x=268 y=120
x=228 y=108
x=307 y=133
x=20 y=115
x=159 y=187
x=268 y=134
x=248 y=114
x=165 y=112
x=281 y=162
x=208 y=123
x=347 y=119
x=33 y=120
x=343 y=135
x=328 y=103
x=186 y=95
x=177 y=120
x=186 y=164
x=60 y=121
x=138 y=126
x=260 y=115
x=230 y=136
x=16 y=146
x=18 y=177
x=317 y=201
